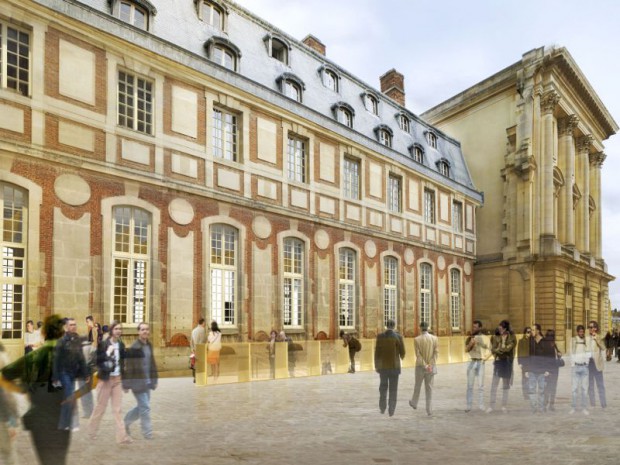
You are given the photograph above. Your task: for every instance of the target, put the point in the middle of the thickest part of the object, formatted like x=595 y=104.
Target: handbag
x=559 y=361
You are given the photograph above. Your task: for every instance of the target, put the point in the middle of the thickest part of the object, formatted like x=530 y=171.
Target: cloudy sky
x=445 y=46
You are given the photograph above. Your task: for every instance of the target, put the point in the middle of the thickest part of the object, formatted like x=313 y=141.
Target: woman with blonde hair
x=111 y=368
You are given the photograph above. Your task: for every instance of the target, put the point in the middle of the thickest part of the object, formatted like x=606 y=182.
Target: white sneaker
x=571 y=411
x=585 y=412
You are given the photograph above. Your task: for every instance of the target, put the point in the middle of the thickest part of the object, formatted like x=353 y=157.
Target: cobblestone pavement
x=336 y=419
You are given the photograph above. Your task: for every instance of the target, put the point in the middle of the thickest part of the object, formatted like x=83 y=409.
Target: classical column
x=566 y=147
x=547 y=104
x=596 y=220
x=583 y=160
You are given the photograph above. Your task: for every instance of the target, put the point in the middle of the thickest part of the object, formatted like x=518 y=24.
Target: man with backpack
x=354 y=346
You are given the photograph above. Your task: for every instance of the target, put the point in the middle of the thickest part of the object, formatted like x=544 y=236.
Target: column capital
x=597 y=159
x=584 y=143
x=567 y=124
x=548 y=101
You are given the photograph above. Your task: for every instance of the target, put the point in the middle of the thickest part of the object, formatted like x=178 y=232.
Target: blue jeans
x=580 y=381
x=66 y=410
x=475 y=369
x=142 y=411
x=537 y=383
x=596 y=377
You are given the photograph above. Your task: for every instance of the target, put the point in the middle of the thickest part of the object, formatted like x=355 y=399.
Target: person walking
x=33 y=372
x=214 y=341
x=354 y=346
x=389 y=351
x=199 y=336
x=503 y=346
x=554 y=372
x=141 y=378
x=271 y=348
x=538 y=367
x=523 y=352
x=426 y=351
x=596 y=346
x=69 y=365
x=476 y=347
x=111 y=369
x=580 y=359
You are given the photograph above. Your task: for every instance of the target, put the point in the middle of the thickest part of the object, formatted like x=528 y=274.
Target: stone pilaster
x=566 y=148
x=596 y=239
x=583 y=225
x=548 y=103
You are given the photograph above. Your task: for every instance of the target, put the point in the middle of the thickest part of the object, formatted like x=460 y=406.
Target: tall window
x=426 y=286
x=394 y=194
x=351 y=179
x=404 y=123
x=14 y=59
x=457 y=216
x=568 y=317
x=371 y=104
x=417 y=153
x=131 y=257
x=291 y=89
x=13 y=243
x=225 y=142
x=431 y=138
x=346 y=288
x=135 y=102
x=330 y=80
x=223 y=274
x=343 y=113
x=296 y=159
x=385 y=137
x=444 y=168
x=293 y=282
x=279 y=50
x=429 y=206
x=212 y=14
x=224 y=56
x=133 y=14
x=390 y=286
x=455 y=298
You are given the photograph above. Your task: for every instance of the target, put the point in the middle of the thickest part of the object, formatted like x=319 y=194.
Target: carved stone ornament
x=597 y=159
x=566 y=125
x=584 y=143
x=548 y=101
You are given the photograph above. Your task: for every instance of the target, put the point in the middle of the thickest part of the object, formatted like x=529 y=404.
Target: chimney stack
x=315 y=44
x=393 y=85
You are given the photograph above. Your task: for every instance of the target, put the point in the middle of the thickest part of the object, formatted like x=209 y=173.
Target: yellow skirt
x=213 y=357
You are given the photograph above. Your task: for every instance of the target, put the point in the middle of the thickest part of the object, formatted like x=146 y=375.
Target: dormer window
x=134 y=12
x=371 y=103
x=277 y=48
x=223 y=52
x=291 y=86
x=343 y=112
x=443 y=166
x=404 y=123
x=417 y=153
x=384 y=135
x=431 y=138
x=330 y=79
x=212 y=13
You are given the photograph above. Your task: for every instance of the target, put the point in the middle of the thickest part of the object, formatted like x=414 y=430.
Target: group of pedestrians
x=540 y=361
x=48 y=374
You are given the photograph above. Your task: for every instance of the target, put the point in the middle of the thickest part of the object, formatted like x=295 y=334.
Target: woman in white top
x=111 y=367
x=214 y=341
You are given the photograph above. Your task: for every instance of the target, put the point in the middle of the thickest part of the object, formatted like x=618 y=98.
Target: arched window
x=390 y=286
x=134 y=12
x=455 y=298
x=330 y=79
x=223 y=52
x=417 y=153
x=212 y=13
x=431 y=138
x=13 y=241
x=443 y=166
x=384 y=135
x=404 y=123
x=131 y=264
x=279 y=50
x=343 y=112
x=346 y=288
x=371 y=103
x=426 y=289
x=291 y=86
x=223 y=272
x=293 y=286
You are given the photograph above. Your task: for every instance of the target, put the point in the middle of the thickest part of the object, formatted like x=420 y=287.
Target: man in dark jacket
x=141 y=378
x=389 y=351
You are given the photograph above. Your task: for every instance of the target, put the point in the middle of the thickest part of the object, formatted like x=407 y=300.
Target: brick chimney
x=393 y=85
x=315 y=44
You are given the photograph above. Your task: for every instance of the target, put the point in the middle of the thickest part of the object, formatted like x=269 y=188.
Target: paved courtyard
x=336 y=419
